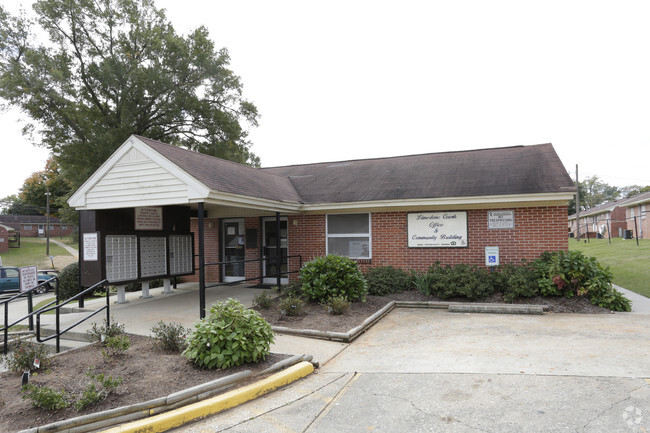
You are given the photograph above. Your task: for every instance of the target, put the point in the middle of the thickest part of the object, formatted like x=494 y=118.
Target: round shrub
x=69 y=281
x=387 y=279
x=329 y=276
x=231 y=335
x=571 y=273
x=462 y=280
x=515 y=282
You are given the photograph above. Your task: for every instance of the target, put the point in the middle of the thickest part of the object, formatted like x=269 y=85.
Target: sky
x=336 y=80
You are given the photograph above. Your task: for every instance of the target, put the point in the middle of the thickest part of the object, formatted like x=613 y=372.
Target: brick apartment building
x=636 y=215
x=33 y=226
x=4 y=238
x=614 y=219
x=407 y=211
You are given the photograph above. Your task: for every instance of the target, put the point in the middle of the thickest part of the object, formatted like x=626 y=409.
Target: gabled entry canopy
x=145 y=172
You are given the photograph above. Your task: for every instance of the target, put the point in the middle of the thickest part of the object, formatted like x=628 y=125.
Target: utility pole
x=577 y=206
x=47 y=221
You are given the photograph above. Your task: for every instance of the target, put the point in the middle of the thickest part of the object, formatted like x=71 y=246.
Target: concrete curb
x=352 y=334
x=178 y=417
x=106 y=419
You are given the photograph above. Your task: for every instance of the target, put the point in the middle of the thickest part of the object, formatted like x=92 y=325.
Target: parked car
x=10 y=280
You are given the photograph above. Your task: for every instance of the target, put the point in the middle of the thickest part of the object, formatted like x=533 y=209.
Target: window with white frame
x=27 y=227
x=348 y=235
x=642 y=212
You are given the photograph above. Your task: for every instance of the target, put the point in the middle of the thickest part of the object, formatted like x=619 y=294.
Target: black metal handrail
x=259 y=277
x=30 y=308
x=59 y=332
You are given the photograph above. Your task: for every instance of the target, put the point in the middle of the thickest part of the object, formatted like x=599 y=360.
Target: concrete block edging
x=124 y=414
x=454 y=307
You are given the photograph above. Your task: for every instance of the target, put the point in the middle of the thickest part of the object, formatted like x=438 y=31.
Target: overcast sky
x=338 y=80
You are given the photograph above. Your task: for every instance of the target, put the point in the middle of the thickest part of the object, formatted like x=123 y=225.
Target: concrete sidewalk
x=181 y=306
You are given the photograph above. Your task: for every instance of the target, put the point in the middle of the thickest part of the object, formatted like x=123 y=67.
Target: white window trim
x=27 y=227
x=350 y=235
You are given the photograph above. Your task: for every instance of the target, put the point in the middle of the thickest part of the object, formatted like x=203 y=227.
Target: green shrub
x=422 y=282
x=22 y=354
x=99 y=333
x=462 y=280
x=69 y=281
x=387 y=279
x=96 y=390
x=338 y=305
x=230 y=336
x=571 y=273
x=169 y=336
x=45 y=397
x=293 y=288
x=515 y=281
x=116 y=345
x=262 y=300
x=291 y=305
x=329 y=276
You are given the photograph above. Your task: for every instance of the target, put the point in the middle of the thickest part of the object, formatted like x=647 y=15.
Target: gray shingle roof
x=498 y=171
x=227 y=176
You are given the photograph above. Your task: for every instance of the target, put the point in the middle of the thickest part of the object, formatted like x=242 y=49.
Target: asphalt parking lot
x=434 y=371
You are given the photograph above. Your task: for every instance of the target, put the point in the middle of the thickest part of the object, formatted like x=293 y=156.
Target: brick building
x=33 y=226
x=614 y=219
x=636 y=214
x=605 y=220
x=4 y=238
x=407 y=211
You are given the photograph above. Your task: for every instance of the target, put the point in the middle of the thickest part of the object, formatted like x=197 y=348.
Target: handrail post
x=30 y=309
x=108 y=307
x=6 y=330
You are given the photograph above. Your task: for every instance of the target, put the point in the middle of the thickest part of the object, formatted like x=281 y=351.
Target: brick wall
x=4 y=240
x=642 y=227
x=536 y=230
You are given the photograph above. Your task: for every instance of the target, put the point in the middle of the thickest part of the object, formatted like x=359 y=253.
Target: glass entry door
x=233 y=250
x=270 y=239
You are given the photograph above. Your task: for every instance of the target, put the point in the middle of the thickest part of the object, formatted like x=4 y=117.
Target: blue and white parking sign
x=491 y=256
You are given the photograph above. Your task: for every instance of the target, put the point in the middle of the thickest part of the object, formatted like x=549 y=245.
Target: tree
x=630 y=190
x=32 y=199
x=112 y=68
x=594 y=192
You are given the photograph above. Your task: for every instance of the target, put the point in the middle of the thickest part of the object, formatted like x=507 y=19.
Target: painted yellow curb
x=183 y=415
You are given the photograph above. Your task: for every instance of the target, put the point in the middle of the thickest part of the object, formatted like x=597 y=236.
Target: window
x=642 y=212
x=64 y=227
x=348 y=235
x=27 y=227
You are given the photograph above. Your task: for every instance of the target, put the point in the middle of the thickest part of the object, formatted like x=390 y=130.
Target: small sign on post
x=491 y=256
x=28 y=278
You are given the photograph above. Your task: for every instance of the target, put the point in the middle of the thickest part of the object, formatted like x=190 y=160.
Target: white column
x=145 y=290
x=121 y=295
x=168 y=286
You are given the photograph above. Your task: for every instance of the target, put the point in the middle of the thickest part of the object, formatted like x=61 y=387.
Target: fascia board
x=235 y=200
x=636 y=203
x=447 y=201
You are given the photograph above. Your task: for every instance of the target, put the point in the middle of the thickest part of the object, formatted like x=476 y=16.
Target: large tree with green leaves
x=593 y=192
x=112 y=68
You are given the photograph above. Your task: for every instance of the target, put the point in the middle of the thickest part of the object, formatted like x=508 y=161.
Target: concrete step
x=46 y=331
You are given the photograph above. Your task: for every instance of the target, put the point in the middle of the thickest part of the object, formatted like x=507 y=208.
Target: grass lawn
x=31 y=252
x=629 y=264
